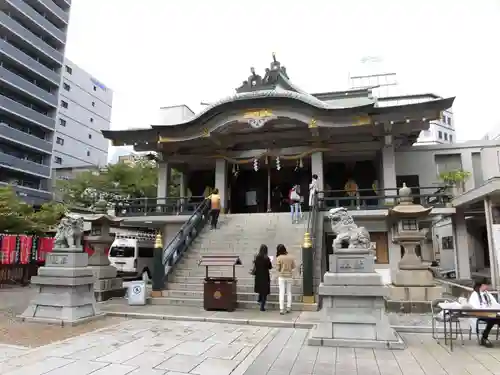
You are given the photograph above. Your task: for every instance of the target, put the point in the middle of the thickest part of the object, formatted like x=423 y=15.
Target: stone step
x=245 y=281
x=240 y=271
x=196 y=302
x=193 y=259
x=198 y=287
x=242 y=296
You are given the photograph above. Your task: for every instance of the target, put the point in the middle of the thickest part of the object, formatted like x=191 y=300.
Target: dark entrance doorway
x=282 y=182
x=248 y=191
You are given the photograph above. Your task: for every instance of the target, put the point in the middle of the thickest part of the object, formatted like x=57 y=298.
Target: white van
x=133 y=256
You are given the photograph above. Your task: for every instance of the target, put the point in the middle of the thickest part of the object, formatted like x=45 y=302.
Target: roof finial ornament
x=252 y=70
x=275 y=65
x=274 y=57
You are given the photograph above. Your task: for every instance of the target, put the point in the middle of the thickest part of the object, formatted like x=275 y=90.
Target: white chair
x=439 y=317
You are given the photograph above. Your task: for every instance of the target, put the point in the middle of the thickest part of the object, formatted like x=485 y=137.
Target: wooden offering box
x=219 y=293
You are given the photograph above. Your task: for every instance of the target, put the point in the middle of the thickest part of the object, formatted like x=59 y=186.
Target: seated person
x=482 y=299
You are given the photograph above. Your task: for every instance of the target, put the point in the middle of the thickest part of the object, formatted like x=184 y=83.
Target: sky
x=155 y=53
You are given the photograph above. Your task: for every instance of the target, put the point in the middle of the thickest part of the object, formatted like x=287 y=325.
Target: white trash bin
x=137 y=293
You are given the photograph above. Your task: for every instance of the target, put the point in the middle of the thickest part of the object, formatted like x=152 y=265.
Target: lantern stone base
x=415 y=285
x=353 y=312
x=107 y=285
x=65 y=290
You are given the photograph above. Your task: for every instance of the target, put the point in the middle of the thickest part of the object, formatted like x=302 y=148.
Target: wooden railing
x=158 y=206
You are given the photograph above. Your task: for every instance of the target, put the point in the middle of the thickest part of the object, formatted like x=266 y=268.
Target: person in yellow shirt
x=215 y=206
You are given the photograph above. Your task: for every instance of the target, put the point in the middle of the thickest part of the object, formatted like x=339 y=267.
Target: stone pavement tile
x=213 y=366
x=366 y=362
x=41 y=367
x=263 y=362
x=325 y=361
x=249 y=354
x=93 y=352
x=407 y=363
x=148 y=359
x=124 y=352
x=421 y=353
x=286 y=358
x=192 y=348
x=180 y=363
x=114 y=369
x=162 y=344
x=485 y=357
x=143 y=371
x=80 y=367
x=304 y=363
x=345 y=362
x=386 y=362
x=223 y=351
x=224 y=337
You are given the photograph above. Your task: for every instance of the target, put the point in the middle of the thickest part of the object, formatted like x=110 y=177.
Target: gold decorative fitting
x=308 y=299
x=362 y=120
x=205 y=133
x=258 y=113
x=307 y=241
x=158 y=241
x=313 y=124
x=164 y=139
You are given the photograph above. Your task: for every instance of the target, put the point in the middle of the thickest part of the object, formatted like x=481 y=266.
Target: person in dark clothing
x=261 y=267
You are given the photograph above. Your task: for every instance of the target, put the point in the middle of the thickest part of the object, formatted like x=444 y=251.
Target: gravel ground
x=14 y=300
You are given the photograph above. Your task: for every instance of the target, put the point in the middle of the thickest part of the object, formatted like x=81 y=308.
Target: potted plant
x=455 y=179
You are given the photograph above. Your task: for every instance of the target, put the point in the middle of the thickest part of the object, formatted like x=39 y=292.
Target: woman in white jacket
x=482 y=299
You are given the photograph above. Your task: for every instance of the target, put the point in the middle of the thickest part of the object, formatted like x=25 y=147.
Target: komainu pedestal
x=353 y=294
x=66 y=283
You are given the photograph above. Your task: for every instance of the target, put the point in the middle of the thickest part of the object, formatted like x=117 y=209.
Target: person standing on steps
x=295 y=204
x=215 y=207
x=313 y=189
x=262 y=284
x=285 y=265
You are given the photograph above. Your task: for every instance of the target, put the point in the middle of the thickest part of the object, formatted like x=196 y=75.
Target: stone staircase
x=242 y=235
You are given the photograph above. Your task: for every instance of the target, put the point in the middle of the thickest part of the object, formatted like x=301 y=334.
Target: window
x=448 y=120
x=69 y=69
x=59 y=141
x=66 y=86
x=62 y=122
x=409 y=224
x=93 y=104
x=90 y=136
x=88 y=153
x=64 y=104
x=91 y=120
x=451 y=138
x=447 y=243
x=444 y=119
x=440 y=135
x=445 y=136
x=58 y=160
x=95 y=88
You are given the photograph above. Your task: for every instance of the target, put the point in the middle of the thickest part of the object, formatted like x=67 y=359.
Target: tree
x=114 y=184
x=18 y=217
x=14 y=213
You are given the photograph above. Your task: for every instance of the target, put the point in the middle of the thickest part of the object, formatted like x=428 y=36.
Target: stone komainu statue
x=69 y=232
x=349 y=235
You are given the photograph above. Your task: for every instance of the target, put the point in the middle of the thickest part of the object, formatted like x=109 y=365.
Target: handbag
x=252 y=271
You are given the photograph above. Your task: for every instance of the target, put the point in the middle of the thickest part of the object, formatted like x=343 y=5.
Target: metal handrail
x=174 y=250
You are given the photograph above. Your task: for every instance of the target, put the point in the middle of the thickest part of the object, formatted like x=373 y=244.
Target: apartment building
x=84 y=111
x=32 y=43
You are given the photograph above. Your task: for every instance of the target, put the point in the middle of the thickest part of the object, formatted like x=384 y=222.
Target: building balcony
x=30 y=38
x=19 y=83
x=54 y=9
x=22 y=165
x=22 y=59
x=369 y=199
x=31 y=196
x=26 y=113
x=25 y=139
x=37 y=18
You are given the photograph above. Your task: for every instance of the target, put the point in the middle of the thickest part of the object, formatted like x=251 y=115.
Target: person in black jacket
x=261 y=267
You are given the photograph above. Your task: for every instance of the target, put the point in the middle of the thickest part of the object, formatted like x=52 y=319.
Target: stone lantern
x=106 y=285
x=413 y=280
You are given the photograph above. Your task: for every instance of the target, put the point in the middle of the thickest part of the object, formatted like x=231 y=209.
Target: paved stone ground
x=155 y=347
x=13 y=301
